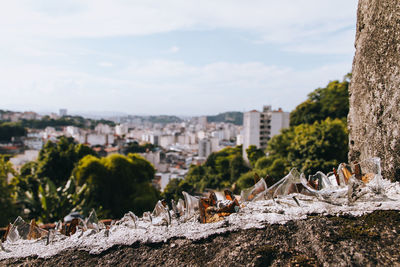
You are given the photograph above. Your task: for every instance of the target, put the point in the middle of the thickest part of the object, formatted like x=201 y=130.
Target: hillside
x=234 y=117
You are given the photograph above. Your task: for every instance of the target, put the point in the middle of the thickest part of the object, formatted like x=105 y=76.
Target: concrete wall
x=374 y=117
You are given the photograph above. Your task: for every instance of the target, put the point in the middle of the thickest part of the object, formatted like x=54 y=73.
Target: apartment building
x=260 y=126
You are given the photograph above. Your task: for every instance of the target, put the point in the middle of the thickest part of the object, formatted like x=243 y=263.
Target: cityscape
x=175 y=145
x=212 y=133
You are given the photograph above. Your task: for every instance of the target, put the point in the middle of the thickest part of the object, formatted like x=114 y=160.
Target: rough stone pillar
x=374 y=117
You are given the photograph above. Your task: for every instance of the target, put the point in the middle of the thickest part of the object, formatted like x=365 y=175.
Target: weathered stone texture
x=374 y=117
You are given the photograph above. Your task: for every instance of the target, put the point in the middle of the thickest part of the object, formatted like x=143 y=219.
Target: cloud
x=53 y=51
x=174 y=49
x=106 y=64
x=276 y=21
x=160 y=86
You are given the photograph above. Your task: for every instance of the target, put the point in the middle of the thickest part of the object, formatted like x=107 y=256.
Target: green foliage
x=57 y=160
x=316 y=141
x=77 y=121
x=44 y=189
x=116 y=184
x=163 y=119
x=9 y=130
x=221 y=170
x=331 y=101
x=134 y=147
x=308 y=147
x=253 y=154
x=7 y=204
x=234 y=117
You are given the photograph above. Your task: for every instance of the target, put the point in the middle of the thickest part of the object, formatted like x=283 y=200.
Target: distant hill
x=162 y=119
x=234 y=117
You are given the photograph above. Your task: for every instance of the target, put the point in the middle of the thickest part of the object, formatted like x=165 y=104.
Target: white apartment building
x=260 y=127
x=204 y=148
x=121 y=129
x=103 y=129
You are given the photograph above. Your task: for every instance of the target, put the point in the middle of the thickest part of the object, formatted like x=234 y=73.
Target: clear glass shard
x=19 y=230
x=319 y=181
x=367 y=179
x=175 y=209
x=254 y=193
x=191 y=205
x=181 y=207
x=147 y=216
x=71 y=216
x=58 y=226
x=355 y=189
x=161 y=214
x=271 y=190
x=129 y=220
x=334 y=194
x=92 y=222
x=158 y=209
x=22 y=230
x=332 y=179
x=371 y=174
x=291 y=184
x=50 y=236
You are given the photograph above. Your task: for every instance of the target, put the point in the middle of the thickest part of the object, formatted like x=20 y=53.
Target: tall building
x=260 y=127
x=204 y=148
x=63 y=112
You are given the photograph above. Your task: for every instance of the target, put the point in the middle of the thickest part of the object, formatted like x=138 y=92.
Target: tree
x=329 y=102
x=116 y=184
x=221 y=170
x=309 y=147
x=253 y=154
x=57 y=160
x=7 y=206
x=134 y=147
x=8 y=130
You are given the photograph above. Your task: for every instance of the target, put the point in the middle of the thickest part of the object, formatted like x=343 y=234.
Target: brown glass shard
x=336 y=176
x=357 y=170
x=4 y=238
x=366 y=178
x=33 y=230
x=71 y=228
x=346 y=174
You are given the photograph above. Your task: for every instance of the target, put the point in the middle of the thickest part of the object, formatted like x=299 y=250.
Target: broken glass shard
x=191 y=205
x=18 y=230
x=72 y=216
x=22 y=230
x=355 y=189
x=332 y=194
x=161 y=214
x=344 y=172
x=332 y=178
x=175 y=209
x=129 y=220
x=181 y=207
x=319 y=181
x=147 y=216
x=289 y=184
x=371 y=174
x=92 y=222
x=254 y=193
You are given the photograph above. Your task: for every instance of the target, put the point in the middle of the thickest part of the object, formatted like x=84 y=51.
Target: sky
x=175 y=57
